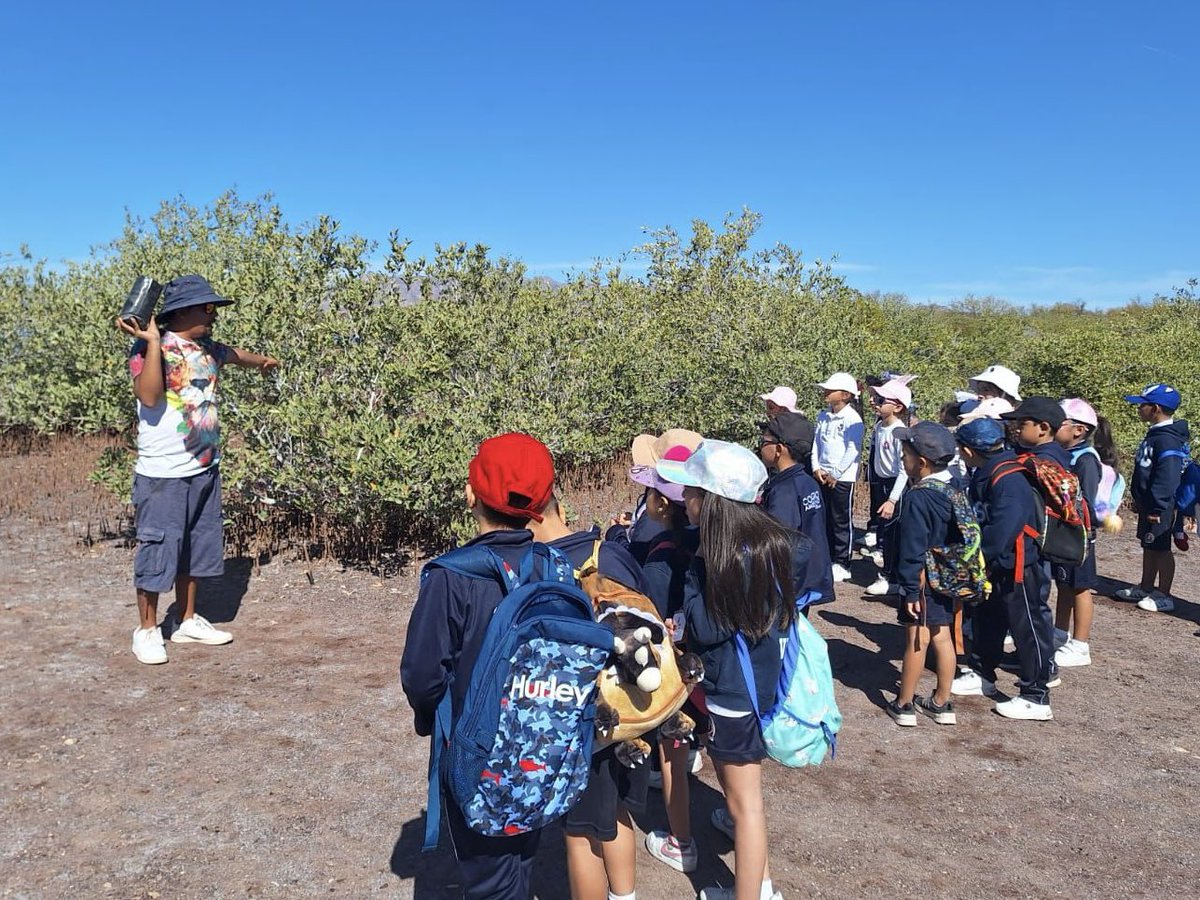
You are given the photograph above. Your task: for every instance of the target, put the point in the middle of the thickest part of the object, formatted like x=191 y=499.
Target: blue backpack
x=1188 y=491
x=803 y=724
x=519 y=754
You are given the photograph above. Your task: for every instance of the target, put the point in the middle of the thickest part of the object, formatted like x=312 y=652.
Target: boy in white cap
x=836 y=450
x=892 y=401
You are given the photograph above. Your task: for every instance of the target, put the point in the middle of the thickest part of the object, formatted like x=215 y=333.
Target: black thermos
x=142 y=299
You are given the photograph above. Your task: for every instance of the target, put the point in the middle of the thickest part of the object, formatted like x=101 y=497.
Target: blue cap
x=980 y=434
x=1162 y=394
x=189 y=290
x=930 y=440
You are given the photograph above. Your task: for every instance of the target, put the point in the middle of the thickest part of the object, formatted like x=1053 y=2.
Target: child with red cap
x=510 y=481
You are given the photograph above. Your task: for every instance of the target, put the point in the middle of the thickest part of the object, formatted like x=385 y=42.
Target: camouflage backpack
x=957 y=570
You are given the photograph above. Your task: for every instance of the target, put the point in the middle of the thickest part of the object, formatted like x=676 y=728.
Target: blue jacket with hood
x=1155 y=477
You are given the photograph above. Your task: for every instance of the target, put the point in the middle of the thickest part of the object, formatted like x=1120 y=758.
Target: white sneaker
x=971 y=684
x=1020 y=708
x=840 y=572
x=1156 y=601
x=1131 y=594
x=870 y=539
x=1073 y=653
x=666 y=849
x=198 y=630
x=1010 y=646
x=695 y=761
x=148 y=646
x=723 y=821
x=877 y=559
x=879 y=588
x=1060 y=638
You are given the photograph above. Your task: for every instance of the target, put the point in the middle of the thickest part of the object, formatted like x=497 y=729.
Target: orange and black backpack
x=1064 y=521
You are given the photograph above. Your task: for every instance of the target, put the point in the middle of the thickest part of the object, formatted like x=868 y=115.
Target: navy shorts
x=1081 y=578
x=178 y=529
x=735 y=739
x=939 y=610
x=610 y=786
x=1160 y=544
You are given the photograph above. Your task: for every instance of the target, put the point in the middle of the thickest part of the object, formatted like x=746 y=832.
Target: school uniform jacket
x=1004 y=509
x=794 y=498
x=1155 y=479
x=724 y=684
x=926 y=520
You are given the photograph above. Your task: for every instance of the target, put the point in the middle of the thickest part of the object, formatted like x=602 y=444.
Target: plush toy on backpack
x=646 y=685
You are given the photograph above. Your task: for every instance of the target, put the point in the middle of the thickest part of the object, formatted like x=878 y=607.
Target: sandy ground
x=284 y=764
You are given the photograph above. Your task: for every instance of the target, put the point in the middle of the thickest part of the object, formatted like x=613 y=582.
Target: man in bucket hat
x=177 y=483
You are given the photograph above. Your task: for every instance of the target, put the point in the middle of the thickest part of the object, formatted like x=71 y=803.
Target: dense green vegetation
x=364 y=434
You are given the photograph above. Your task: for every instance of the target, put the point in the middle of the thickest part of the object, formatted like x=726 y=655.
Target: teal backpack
x=803 y=724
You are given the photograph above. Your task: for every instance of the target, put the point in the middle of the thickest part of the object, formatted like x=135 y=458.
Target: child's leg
x=148 y=608
x=1083 y=614
x=1149 y=570
x=942 y=639
x=185 y=596
x=585 y=868
x=916 y=643
x=676 y=791
x=620 y=855
x=1064 y=606
x=1164 y=567
x=742 y=783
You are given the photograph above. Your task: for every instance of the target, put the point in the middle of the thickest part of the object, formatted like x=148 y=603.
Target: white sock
x=630 y=896
x=767 y=890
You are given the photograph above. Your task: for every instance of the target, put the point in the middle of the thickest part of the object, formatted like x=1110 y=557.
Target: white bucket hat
x=1002 y=377
x=840 y=381
x=719 y=468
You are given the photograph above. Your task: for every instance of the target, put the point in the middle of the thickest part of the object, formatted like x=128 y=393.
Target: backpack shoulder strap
x=592 y=563
x=475 y=561
x=1008 y=467
x=1082 y=451
x=743 y=655
x=1181 y=453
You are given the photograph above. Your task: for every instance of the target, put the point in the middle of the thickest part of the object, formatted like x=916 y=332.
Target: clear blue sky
x=1038 y=151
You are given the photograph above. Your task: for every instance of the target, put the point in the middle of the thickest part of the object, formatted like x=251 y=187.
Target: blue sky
x=1034 y=151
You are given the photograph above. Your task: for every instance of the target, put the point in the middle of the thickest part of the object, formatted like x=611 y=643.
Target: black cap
x=930 y=440
x=792 y=429
x=1038 y=409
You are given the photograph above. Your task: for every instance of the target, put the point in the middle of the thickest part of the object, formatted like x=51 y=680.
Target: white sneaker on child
x=870 y=540
x=840 y=572
x=970 y=683
x=198 y=630
x=1156 y=601
x=148 y=646
x=667 y=849
x=1020 y=708
x=879 y=588
x=1073 y=653
x=1133 y=593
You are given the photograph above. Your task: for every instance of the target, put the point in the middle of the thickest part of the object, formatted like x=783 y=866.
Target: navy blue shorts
x=735 y=739
x=179 y=529
x=610 y=786
x=939 y=610
x=1081 y=578
x=1160 y=544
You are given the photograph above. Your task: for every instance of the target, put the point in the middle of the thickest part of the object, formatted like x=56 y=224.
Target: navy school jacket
x=666 y=566
x=452 y=613
x=926 y=520
x=794 y=498
x=1004 y=510
x=723 y=682
x=1155 y=479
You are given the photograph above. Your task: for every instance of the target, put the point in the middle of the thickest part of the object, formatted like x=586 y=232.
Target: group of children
x=722 y=538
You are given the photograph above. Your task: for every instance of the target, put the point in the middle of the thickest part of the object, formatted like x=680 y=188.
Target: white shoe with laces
x=879 y=588
x=971 y=684
x=1073 y=653
x=1020 y=708
x=840 y=572
x=667 y=849
x=148 y=646
x=198 y=630
x=1157 y=601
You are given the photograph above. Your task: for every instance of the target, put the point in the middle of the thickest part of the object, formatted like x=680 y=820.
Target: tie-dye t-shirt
x=181 y=436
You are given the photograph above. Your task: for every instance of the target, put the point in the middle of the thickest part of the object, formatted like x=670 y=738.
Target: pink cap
x=782 y=396
x=896 y=390
x=648 y=476
x=1078 y=410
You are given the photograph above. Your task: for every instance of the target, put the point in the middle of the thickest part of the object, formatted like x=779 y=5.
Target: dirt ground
x=284 y=764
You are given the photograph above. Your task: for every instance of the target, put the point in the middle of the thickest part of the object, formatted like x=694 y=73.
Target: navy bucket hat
x=189 y=290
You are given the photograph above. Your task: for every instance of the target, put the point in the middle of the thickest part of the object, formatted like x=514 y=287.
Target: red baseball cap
x=513 y=474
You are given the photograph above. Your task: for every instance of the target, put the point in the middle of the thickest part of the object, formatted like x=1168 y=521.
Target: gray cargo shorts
x=179 y=529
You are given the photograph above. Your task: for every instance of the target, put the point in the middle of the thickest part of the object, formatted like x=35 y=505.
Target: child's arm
x=853 y=437
x=914 y=537
x=248 y=360
x=430 y=649
x=146 y=365
x=701 y=630
x=1164 y=481
x=1009 y=510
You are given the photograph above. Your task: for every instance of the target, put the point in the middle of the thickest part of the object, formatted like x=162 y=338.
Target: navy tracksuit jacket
x=793 y=497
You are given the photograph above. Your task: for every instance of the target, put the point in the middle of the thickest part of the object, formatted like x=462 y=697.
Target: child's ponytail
x=1106 y=447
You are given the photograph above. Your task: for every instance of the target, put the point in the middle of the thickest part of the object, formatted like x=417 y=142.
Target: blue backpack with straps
x=1188 y=491
x=802 y=725
x=519 y=753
